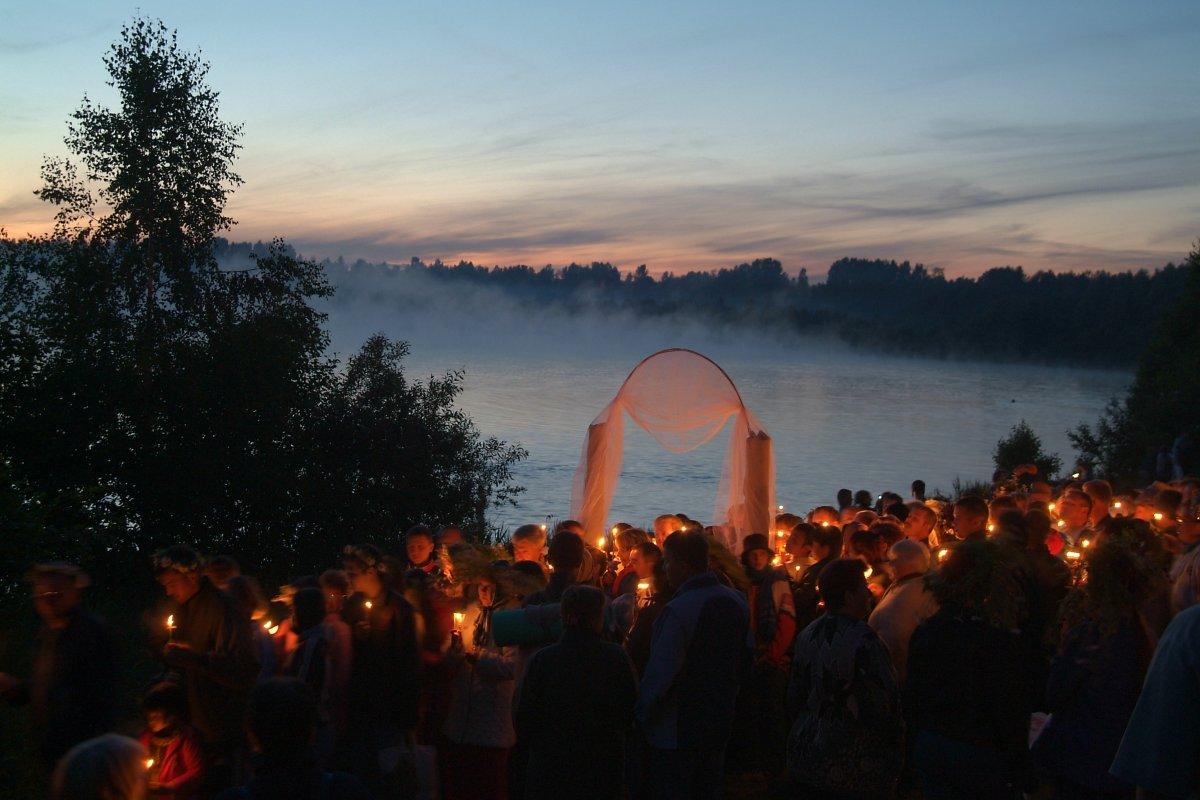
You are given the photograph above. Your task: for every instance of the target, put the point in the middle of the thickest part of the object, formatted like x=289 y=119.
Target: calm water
x=839 y=417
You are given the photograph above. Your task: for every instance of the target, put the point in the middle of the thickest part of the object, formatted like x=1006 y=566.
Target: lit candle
x=824 y=524
x=1051 y=507
x=1086 y=543
x=367 y=605
x=542 y=526
x=991 y=528
x=780 y=534
x=1073 y=555
x=459 y=617
x=777 y=561
x=274 y=629
x=600 y=542
x=1117 y=504
x=780 y=507
x=170 y=627
x=1158 y=516
x=942 y=553
x=868 y=572
x=1075 y=475
x=1062 y=523
x=149 y=763
x=643 y=590
x=267 y=625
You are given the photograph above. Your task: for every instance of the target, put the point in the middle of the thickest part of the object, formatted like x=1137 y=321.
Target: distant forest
x=1100 y=319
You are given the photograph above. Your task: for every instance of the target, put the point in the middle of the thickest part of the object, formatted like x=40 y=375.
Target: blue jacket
x=701 y=648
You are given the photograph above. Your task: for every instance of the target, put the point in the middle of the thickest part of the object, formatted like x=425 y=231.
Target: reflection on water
x=839 y=417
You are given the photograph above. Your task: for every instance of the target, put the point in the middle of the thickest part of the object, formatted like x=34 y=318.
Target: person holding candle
x=212 y=656
x=773 y=623
x=252 y=606
x=385 y=670
x=1097 y=675
x=825 y=545
x=626 y=540
x=653 y=592
x=919 y=524
x=1074 y=511
x=478 y=732
x=528 y=543
x=69 y=691
x=175 y=759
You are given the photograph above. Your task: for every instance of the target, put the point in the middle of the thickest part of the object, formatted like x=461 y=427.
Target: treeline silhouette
x=1092 y=318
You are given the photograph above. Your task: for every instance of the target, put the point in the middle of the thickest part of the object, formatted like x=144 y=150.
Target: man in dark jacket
x=282 y=722
x=384 y=673
x=701 y=651
x=574 y=707
x=70 y=691
x=824 y=543
x=211 y=653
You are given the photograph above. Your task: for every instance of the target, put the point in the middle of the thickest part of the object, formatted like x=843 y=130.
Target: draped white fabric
x=682 y=399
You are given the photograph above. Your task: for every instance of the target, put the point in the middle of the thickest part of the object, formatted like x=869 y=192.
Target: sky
x=963 y=135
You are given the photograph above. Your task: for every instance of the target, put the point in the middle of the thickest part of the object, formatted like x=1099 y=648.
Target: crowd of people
x=1044 y=639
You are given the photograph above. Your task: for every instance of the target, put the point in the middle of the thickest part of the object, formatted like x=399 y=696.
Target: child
x=174 y=763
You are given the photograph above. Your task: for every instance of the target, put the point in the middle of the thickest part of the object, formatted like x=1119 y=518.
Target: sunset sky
x=679 y=135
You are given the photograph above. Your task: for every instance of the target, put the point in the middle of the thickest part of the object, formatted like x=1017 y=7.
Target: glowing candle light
x=368 y=605
x=942 y=553
x=868 y=572
x=542 y=526
x=170 y=627
x=1075 y=475
x=1117 y=504
x=149 y=763
x=1086 y=543
x=1158 y=516
x=274 y=629
x=267 y=625
x=459 y=617
x=991 y=528
x=1073 y=555
x=780 y=534
x=1062 y=523
x=824 y=524
x=600 y=542
x=780 y=507
x=1051 y=507
x=776 y=561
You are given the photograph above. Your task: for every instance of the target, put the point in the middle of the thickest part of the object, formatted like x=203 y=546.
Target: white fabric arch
x=682 y=399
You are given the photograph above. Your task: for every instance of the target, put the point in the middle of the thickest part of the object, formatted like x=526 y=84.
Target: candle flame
x=1073 y=555
x=267 y=625
x=1086 y=543
x=1062 y=523
x=367 y=605
x=1051 y=507
x=149 y=763
x=1074 y=474
x=868 y=572
x=170 y=620
x=1117 y=504
x=274 y=629
x=991 y=528
x=780 y=507
x=600 y=542
x=781 y=534
x=777 y=561
x=1158 y=516
x=459 y=617
x=942 y=553
x=542 y=526
x=824 y=524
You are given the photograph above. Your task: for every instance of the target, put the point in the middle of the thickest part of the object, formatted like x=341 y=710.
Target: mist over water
x=840 y=417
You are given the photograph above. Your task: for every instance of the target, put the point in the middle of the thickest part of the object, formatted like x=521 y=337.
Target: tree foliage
x=1023 y=446
x=1006 y=314
x=1164 y=398
x=148 y=395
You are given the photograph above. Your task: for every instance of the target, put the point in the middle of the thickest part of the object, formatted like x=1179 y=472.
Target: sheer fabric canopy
x=682 y=399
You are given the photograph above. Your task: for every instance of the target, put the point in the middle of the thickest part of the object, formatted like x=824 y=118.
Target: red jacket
x=178 y=765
